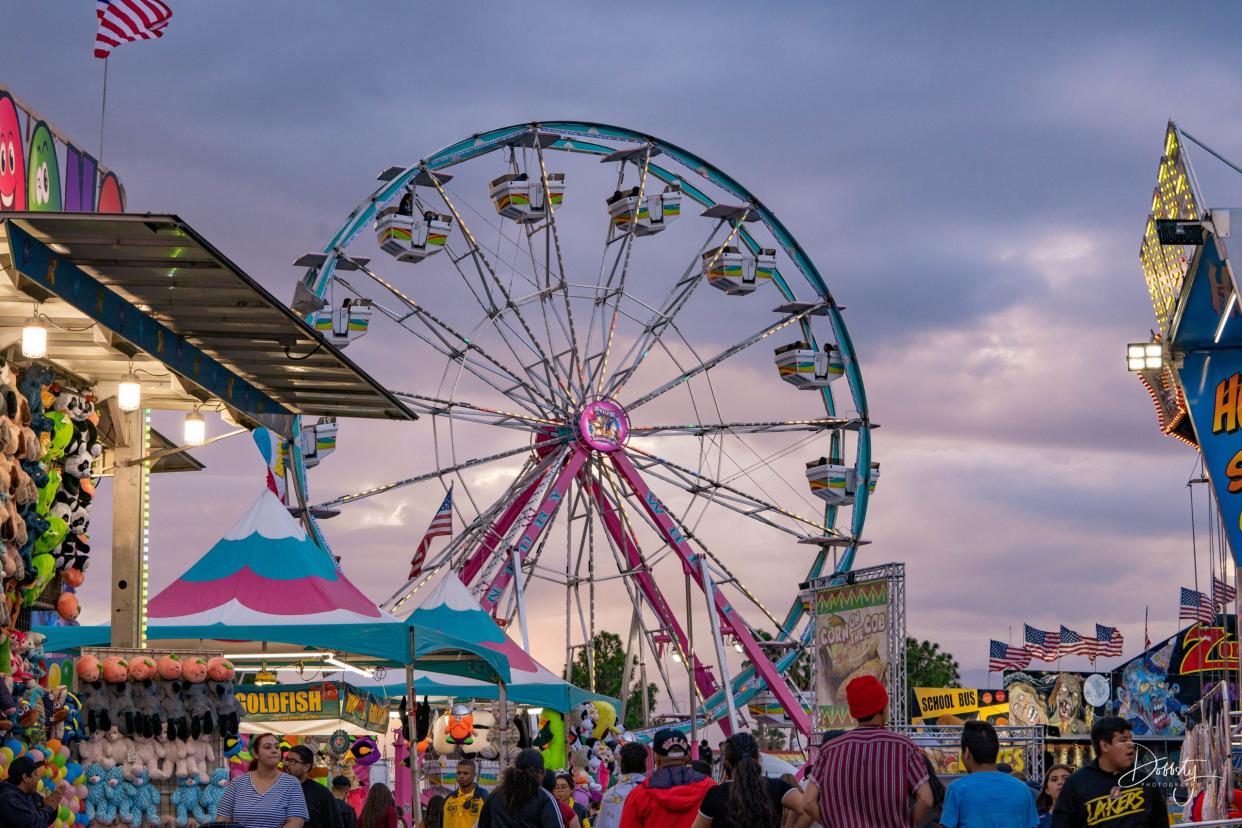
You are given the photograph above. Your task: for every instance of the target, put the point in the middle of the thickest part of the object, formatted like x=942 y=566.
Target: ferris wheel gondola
x=615 y=382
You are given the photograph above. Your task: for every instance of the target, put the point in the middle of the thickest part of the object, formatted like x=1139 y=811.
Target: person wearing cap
x=321 y=805
x=20 y=806
x=671 y=795
x=866 y=777
x=520 y=801
x=340 y=791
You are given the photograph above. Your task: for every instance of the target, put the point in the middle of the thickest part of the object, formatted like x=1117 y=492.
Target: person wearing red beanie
x=865 y=777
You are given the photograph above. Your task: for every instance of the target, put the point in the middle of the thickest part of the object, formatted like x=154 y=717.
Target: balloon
x=64 y=813
x=73 y=771
x=53 y=745
x=82 y=791
x=6 y=754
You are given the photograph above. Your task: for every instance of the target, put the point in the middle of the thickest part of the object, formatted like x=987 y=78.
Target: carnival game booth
x=266 y=582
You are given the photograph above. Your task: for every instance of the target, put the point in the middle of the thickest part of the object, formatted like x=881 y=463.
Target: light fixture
x=1144 y=356
x=739 y=648
x=1180 y=231
x=677 y=658
x=195 y=428
x=265 y=677
x=34 y=338
x=129 y=392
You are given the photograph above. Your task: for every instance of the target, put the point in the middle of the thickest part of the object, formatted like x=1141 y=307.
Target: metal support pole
x=709 y=589
x=416 y=797
x=521 y=597
x=503 y=696
x=630 y=654
x=128 y=509
x=642 y=677
x=694 y=700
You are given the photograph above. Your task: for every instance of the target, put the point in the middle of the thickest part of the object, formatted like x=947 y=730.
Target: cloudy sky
x=971 y=180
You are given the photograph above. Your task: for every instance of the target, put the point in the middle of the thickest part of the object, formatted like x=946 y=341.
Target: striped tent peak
x=449 y=606
x=265 y=564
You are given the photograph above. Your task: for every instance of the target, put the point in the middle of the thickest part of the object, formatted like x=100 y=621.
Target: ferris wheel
x=637 y=381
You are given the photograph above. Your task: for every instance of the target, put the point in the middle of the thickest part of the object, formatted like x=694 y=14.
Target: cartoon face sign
x=12 y=159
x=1065 y=704
x=111 y=195
x=1025 y=705
x=1148 y=701
x=604 y=425
x=43 y=173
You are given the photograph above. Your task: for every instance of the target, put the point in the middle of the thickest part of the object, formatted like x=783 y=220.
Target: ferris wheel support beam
x=639 y=572
x=544 y=513
x=497 y=531
x=674 y=536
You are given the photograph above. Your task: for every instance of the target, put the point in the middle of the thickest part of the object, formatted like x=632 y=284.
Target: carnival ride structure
x=611 y=389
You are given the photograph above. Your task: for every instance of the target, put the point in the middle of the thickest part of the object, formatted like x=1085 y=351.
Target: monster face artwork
x=1065 y=705
x=1025 y=705
x=12 y=160
x=43 y=173
x=1146 y=698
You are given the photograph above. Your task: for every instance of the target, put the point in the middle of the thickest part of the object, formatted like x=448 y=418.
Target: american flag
x=1003 y=657
x=1074 y=644
x=1046 y=646
x=1196 y=606
x=1222 y=594
x=441 y=527
x=124 y=21
x=1108 y=640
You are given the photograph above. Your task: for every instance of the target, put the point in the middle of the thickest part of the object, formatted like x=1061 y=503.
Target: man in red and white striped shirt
x=865 y=778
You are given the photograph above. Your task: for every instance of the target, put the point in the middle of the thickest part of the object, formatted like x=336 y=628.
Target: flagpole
x=103 y=111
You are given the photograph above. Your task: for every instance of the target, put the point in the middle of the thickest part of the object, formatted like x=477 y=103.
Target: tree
x=928 y=666
x=609 y=666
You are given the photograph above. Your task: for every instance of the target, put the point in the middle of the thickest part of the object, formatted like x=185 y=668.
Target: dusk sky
x=971 y=180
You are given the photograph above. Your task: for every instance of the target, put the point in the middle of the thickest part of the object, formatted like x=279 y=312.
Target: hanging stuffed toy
x=120 y=700
x=211 y=794
x=92 y=695
x=146 y=696
x=551 y=739
x=196 y=696
x=227 y=709
x=171 y=706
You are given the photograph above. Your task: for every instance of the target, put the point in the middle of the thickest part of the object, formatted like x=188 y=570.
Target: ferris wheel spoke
x=441 y=472
x=608 y=331
x=732 y=350
x=723 y=494
x=482 y=263
x=554 y=231
x=473 y=413
x=454 y=345
x=772 y=427
x=664 y=316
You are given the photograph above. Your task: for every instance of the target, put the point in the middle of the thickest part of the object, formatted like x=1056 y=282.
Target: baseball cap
x=671 y=743
x=21 y=766
x=304 y=753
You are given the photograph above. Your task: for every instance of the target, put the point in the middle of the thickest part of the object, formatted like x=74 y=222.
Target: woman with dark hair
x=379 y=810
x=563 y=790
x=265 y=797
x=1054 y=780
x=520 y=801
x=433 y=817
x=747 y=798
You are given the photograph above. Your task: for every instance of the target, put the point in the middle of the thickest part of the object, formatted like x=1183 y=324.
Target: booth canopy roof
x=266 y=580
x=159 y=264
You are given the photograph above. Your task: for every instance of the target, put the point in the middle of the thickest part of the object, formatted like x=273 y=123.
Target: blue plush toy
x=185 y=798
x=146 y=799
x=212 y=793
x=127 y=802
x=112 y=780
x=30 y=385
x=97 y=795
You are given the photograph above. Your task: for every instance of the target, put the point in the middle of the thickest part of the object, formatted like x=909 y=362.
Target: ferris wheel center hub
x=603 y=425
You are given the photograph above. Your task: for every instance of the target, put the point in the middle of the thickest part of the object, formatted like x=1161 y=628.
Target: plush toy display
x=120 y=700
x=172 y=708
x=146 y=800
x=92 y=694
x=146 y=696
x=209 y=798
x=97 y=796
x=185 y=799
x=223 y=701
x=197 y=699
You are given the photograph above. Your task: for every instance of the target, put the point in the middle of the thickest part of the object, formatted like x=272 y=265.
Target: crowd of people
x=867 y=777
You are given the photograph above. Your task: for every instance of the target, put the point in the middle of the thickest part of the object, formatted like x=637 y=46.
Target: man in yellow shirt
x=461 y=810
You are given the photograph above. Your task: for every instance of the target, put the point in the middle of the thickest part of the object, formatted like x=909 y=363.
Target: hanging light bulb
x=739 y=648
x=195 y=428
x=677 y=658
x=129 y=392
x=34 y=338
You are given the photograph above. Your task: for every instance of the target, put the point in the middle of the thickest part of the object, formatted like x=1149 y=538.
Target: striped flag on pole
x=441 y=526
x=1074 y=644
x=1002 y=656
x=1108 y=640
x=1045 y=646
x=125 y=21
x=1222 y=594
x=1195 y=606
